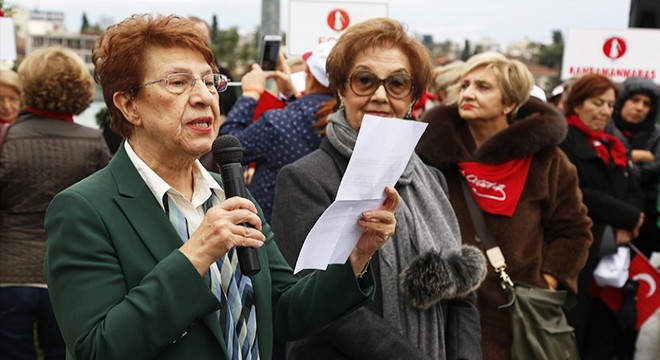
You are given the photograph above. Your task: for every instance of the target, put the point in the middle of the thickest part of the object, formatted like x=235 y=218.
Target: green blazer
x=121 y=289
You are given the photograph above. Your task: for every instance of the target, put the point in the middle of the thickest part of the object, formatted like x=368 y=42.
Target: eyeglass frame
x=192 y=83
x=11 y=99
x=382 y=82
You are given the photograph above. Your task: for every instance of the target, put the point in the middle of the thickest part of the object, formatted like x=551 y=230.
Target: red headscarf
x=598 y=139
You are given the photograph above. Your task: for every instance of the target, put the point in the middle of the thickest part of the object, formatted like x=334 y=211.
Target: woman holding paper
x=377 y=69
x=529 y=191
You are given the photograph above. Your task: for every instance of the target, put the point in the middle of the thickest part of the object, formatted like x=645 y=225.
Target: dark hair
x=586 y=87
x=374 y=33
x=119 y=54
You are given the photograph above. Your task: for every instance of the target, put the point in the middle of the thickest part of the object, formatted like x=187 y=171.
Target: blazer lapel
x=149 y=221
x=141 y=208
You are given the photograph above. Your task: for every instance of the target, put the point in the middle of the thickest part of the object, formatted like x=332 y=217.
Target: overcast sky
x=503 y=20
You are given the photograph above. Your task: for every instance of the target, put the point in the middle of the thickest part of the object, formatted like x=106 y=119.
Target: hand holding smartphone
x=269 y=52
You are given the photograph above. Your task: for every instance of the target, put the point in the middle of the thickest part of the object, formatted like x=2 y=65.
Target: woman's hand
x=623 y=237
x=379 y=225
x=282 y=78
x=552 y=282
x=254 y=82
x=248 y=175
x=221 y=229
x=642 y=156
x=638 y=227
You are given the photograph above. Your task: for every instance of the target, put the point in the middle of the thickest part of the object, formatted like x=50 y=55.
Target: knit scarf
x=424 y=222
x=598 y=141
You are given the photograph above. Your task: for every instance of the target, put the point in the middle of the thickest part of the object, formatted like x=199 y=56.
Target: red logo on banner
x=614 y=47
x=338 y=20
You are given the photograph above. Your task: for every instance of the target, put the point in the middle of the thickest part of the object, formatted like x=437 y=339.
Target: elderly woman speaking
x=141 y=256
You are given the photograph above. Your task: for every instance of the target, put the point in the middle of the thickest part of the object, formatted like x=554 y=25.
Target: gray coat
x=303 y=191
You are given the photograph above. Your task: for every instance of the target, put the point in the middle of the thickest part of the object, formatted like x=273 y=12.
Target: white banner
x=617 y=54
x=7 y=39
x=314 y=22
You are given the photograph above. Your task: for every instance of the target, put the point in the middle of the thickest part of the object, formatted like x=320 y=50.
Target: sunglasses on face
x=365 y=83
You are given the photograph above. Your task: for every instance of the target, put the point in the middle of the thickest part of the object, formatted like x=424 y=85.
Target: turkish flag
x=648 y=294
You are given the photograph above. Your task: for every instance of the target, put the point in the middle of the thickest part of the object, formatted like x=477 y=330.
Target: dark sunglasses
x=365 y=83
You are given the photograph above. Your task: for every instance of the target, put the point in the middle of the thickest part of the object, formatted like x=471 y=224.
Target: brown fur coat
x=549 y=231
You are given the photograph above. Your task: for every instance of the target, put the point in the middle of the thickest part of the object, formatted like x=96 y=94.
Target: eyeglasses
x=365 y=83
x=10 y=99
x=180 y=82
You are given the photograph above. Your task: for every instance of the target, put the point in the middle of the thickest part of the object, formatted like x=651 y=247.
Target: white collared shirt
x=192 y=210
x=203 y=182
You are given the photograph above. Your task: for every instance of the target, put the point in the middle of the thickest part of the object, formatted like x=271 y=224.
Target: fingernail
x=366 y=214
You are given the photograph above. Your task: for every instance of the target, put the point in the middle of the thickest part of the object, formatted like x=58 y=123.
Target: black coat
x=612 y=197
x=642 y=136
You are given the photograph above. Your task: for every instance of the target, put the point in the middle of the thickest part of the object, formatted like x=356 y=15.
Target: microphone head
x=227 y=149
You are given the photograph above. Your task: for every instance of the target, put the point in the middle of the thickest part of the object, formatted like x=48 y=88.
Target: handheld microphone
x=228 y=153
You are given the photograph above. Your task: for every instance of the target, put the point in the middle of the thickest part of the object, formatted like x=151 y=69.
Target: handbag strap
x=493 y=251
x=4 y=128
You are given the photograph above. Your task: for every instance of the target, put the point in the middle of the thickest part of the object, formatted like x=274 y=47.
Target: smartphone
x=268 y=54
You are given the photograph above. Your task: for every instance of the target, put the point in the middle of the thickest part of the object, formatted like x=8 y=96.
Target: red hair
x=119 y=55
x=588 y=86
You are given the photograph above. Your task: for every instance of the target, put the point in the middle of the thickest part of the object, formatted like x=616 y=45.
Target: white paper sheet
x=382 y=151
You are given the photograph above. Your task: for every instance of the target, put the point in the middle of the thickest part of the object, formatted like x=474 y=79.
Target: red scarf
x=497 y=188
x=597 y=139
x=51 y=114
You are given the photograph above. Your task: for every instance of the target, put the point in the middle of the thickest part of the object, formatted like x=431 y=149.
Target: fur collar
x=447 y=140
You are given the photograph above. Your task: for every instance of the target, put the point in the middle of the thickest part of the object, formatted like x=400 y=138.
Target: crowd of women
x=135 y=256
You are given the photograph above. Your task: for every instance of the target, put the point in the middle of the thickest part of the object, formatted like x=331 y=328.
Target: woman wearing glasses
x=376 y=68
x=141 y=257
x=505 y=144
x=11 y=92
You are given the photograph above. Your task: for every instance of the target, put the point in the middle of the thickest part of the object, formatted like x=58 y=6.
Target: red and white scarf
x=497 y=188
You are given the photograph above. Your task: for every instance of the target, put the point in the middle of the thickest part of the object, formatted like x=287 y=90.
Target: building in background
x=36 y=29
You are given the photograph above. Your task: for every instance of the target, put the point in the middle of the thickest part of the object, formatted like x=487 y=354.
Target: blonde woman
x=496 y=133
x=445 y=76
